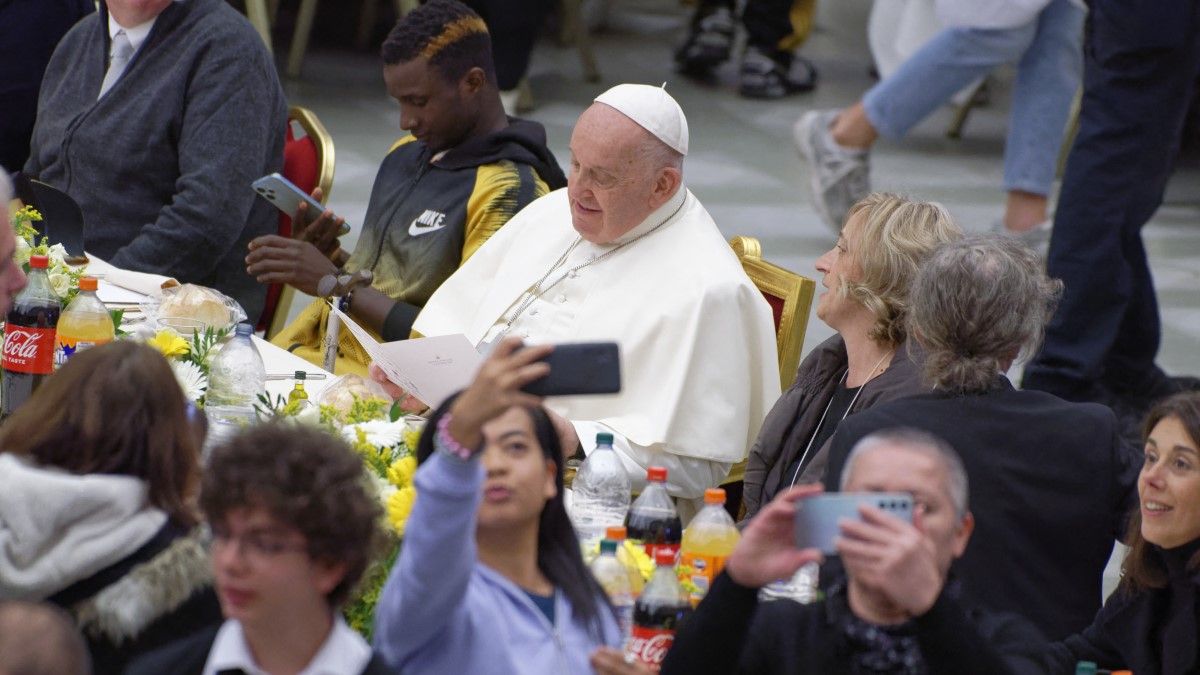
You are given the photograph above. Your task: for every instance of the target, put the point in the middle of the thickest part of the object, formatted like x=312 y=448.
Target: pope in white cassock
x=626 y=253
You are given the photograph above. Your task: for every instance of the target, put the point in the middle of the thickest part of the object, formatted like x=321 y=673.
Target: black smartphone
x=578 y=368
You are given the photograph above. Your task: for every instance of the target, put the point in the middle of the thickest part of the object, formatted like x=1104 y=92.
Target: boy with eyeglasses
x=293 y=527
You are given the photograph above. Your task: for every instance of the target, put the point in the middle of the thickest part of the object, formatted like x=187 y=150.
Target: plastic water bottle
x=600 y=493
x=236 y=378
x=708 y=542
x=614 y=579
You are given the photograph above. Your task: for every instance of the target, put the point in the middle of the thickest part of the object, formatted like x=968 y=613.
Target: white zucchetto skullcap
x=653 y=109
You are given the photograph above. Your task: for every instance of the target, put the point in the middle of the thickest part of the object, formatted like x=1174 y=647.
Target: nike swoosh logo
x=415 y=229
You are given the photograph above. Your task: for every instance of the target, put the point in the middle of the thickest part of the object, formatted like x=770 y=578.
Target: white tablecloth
x=280 y=361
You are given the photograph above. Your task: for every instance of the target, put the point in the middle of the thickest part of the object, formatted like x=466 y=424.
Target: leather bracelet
x=445 y=442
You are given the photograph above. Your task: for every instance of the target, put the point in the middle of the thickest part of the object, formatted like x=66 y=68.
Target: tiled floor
x=742 y=165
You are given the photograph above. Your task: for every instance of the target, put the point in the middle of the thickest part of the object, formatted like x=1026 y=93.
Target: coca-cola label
x=651 y=548
x=28 y=350
x=649 y=646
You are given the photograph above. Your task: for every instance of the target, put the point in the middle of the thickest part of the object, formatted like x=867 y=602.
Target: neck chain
x=537 y=290
x=821 y=422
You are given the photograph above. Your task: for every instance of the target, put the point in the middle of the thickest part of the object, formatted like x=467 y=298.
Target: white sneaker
x=1036 y=238
x=838 y=176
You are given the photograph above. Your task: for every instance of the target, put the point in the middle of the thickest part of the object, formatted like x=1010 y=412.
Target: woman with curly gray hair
x=867 y=275
x=1051 y=481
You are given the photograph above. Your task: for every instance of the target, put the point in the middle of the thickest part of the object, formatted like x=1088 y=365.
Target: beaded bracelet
x=446 y=443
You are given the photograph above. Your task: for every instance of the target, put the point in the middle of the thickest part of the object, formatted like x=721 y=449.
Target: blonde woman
x=866 y=275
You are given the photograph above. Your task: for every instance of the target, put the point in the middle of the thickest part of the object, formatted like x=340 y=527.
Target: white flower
x=380 y=433
x=383 y=488
x=23 y=251
x=310 y=415
x=57 y=254
x=191 y=379
x=60 y=284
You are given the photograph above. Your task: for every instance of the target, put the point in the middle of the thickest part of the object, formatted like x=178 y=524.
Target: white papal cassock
x=697 y=343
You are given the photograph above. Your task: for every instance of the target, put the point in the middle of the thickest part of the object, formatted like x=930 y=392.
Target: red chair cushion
x=776 y=304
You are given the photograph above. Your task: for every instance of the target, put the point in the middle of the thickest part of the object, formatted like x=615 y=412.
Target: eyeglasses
x=258 y=544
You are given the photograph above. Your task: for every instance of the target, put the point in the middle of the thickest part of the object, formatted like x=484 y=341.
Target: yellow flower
x=637 y=552
x=401 y=471
x=411 y=436
x=169 y=344
x=399 y=506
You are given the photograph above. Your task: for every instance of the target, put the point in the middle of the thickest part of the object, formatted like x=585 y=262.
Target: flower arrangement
x=64 y=278
x=387 y=444
x=189 y=359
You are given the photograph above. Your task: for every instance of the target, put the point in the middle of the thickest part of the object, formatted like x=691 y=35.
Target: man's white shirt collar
x=137 y=35
x=344 y=652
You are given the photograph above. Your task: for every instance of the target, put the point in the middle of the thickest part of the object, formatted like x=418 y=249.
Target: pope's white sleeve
x=687 y=477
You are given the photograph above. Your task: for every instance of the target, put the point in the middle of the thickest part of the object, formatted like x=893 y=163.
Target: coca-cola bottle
x=657 y=613
x=653 y=519
x=29 y=338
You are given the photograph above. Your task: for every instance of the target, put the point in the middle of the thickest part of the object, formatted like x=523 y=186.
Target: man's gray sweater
x=162 y=164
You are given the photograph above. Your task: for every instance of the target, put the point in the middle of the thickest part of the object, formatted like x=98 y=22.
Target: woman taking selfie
x=106 y=451
x=490 y=578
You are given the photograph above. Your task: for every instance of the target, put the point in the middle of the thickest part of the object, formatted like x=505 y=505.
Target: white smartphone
x=286 y=197
x=817 y=517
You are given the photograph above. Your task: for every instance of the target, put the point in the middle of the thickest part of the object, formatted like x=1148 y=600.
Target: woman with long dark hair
x=490 y=578
x=1151 y=622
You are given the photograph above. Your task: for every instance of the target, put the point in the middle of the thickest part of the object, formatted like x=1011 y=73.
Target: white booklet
x=430 y=368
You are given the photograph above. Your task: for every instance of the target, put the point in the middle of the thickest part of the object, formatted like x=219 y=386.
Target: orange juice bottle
x=707 y=543
x=84 y=323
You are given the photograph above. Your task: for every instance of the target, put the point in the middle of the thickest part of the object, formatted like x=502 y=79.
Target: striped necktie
x=122 y=51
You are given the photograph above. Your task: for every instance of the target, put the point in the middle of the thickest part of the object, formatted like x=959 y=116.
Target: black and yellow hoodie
x=426 y=217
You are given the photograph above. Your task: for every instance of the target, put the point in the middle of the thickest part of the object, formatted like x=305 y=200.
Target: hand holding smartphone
x=286 y=197
x=816 y=524
x=580 y=368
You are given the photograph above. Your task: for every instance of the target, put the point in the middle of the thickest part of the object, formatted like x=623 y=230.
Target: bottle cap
x=657 y=473
x=244 y=330
x=608 y=546
x=1085 y=668
x=616 y=532
x=87 y=283
x=604 y=439
x=39 y=262
x=301 y=375
x=714 y=496
x=664 y=556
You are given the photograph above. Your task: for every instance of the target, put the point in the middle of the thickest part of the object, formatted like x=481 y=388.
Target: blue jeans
x=1049 y=57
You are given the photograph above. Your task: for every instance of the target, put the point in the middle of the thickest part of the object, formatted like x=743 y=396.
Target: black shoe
x=708 y=45
x=769 y=77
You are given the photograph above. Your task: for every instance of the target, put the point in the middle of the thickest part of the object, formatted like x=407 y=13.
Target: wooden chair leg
x=1069 y=137
x=304 y=22
x=405 y=6
x=256 y=12
x=366 y=23
x=574 y=26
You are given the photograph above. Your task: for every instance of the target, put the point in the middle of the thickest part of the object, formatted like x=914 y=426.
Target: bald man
x=626 y=253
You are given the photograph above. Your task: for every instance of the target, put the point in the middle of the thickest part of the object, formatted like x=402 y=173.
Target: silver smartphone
x=286 y=197
x=817 y=517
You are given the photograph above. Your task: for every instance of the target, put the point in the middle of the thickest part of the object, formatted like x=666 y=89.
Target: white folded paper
x=430 y=368
x=138 y=282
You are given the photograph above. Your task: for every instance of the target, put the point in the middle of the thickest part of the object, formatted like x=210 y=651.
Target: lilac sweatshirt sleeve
x=427 y=588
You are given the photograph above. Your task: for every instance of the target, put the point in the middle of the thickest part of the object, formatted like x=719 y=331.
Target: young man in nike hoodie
x=439 y=194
